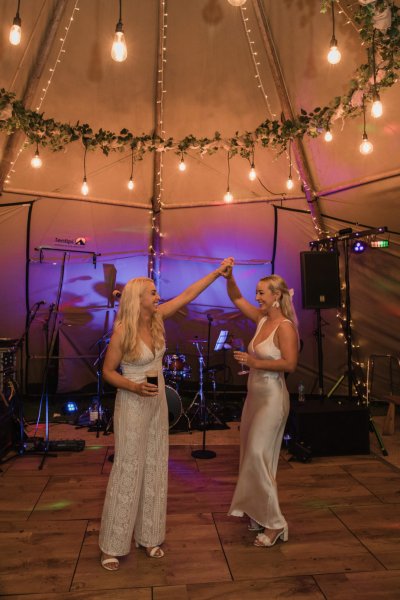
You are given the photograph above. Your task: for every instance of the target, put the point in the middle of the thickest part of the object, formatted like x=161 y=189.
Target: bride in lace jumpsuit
x=272 y=352
x=136 y=494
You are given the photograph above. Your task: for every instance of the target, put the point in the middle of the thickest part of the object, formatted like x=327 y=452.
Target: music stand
x=221 y=341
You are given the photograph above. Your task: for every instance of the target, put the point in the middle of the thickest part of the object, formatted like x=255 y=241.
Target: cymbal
x=197 y=341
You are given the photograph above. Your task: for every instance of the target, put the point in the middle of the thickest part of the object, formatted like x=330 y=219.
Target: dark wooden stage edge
x=330 y=427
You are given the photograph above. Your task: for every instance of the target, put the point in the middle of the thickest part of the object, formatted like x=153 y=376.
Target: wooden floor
x=343 y=515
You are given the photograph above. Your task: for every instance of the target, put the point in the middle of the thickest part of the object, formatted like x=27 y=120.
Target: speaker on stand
x=320 y=285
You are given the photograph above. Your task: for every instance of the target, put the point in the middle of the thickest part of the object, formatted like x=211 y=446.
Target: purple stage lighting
x=358 y=247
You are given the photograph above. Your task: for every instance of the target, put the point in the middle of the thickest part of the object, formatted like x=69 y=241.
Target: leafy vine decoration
x=378 y=73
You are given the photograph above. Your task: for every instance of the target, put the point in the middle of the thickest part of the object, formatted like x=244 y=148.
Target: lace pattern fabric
x=137 y=488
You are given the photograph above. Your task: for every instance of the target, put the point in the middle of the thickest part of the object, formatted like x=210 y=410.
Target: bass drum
x=174 y=404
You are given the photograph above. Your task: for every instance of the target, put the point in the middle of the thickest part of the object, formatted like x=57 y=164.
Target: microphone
x=117 y=294
x=41 y=302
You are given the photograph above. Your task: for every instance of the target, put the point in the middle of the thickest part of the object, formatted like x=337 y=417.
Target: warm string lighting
x=119 y=50
x=15 y=31
x=131 y=183
x=85 y=187
x=46 y=88
x=366 y=146
x=289 y=182
x=334 y=55
x=254 y=55
x=36 y=161
x=377 y=108
x=328 y=137
x=161 y=93
x=59 y=55
x=182 y=164
x=228 y=196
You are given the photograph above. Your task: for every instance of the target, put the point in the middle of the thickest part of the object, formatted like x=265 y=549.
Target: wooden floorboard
x=343 y=514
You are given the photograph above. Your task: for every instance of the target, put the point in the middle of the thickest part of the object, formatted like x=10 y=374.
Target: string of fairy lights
x=119 y=53
x=15 y=40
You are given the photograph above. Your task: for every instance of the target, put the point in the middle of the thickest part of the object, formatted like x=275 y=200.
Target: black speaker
x=331 y=427
x=320 y=281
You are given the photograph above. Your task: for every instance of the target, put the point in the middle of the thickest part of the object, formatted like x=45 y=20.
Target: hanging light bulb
x=131 y=183
x=366 y=146
x=15 y=31
x=85 y=187
x=328 y=137
x=334 y=54
x=36 y=161
x=289 y=182
x=228 y=197
x=119 y=51
x=182 y=164
x=252 y=173
x=377 y=108
x=237 y=2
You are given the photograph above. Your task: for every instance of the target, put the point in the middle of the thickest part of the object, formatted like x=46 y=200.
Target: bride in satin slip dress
x=272 y=352
x=136 y=497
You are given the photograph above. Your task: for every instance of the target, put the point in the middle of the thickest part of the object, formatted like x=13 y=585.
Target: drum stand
x=202 y=409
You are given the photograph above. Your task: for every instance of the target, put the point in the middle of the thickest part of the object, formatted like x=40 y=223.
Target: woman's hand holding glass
x=240 y=355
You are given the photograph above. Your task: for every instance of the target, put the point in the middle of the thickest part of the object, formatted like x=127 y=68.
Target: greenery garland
x=380 y=72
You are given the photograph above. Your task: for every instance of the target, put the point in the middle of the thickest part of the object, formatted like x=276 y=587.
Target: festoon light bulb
x=85 y=187
x=119 y=50
x=36 y=161
x=252 y=173
x=182 y=165
x=15 y=31
x=228 y=197
x=131 y=184
x=366 y=147
x=334 y=54
x=289 y=183
x=328 y=137
x=377 y=108
x=237 y=2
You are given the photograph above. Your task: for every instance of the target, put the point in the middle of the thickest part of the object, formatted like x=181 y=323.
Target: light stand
x=203 y=453
x=319 y=337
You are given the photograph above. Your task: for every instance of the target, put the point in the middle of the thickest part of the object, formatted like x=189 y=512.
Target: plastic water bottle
x=301 y=396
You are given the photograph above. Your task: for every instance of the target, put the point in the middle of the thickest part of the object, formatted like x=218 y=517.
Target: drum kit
x=176 y=370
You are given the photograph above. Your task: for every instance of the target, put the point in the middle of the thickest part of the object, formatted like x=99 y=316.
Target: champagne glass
x=238 y=345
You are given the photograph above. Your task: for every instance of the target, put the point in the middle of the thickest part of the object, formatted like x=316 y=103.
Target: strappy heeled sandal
x=254 y=526
x=264 y=541
x=154 y=552
x=106 y=562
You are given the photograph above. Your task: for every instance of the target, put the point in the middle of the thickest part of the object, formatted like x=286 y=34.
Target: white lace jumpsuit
x=136 y=498
x=262 y=425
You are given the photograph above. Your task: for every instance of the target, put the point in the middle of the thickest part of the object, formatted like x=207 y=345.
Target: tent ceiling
x=210 y=86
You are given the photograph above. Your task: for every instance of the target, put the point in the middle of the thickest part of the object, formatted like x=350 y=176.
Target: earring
x=275 y=304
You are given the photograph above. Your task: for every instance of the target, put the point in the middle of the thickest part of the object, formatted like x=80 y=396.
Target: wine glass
x=238 y=345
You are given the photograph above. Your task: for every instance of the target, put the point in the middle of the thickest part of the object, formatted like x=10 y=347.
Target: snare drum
x=174 y=404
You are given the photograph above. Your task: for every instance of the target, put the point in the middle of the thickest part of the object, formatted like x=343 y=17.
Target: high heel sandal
x=264 y=541
x=106 y=562
x=154 y=552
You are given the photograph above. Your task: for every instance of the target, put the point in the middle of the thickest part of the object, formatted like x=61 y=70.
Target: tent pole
x=298 y=147
x=15 y=140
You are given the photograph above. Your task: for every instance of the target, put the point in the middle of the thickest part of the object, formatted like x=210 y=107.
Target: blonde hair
x=128 y=318
x=278 y=285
